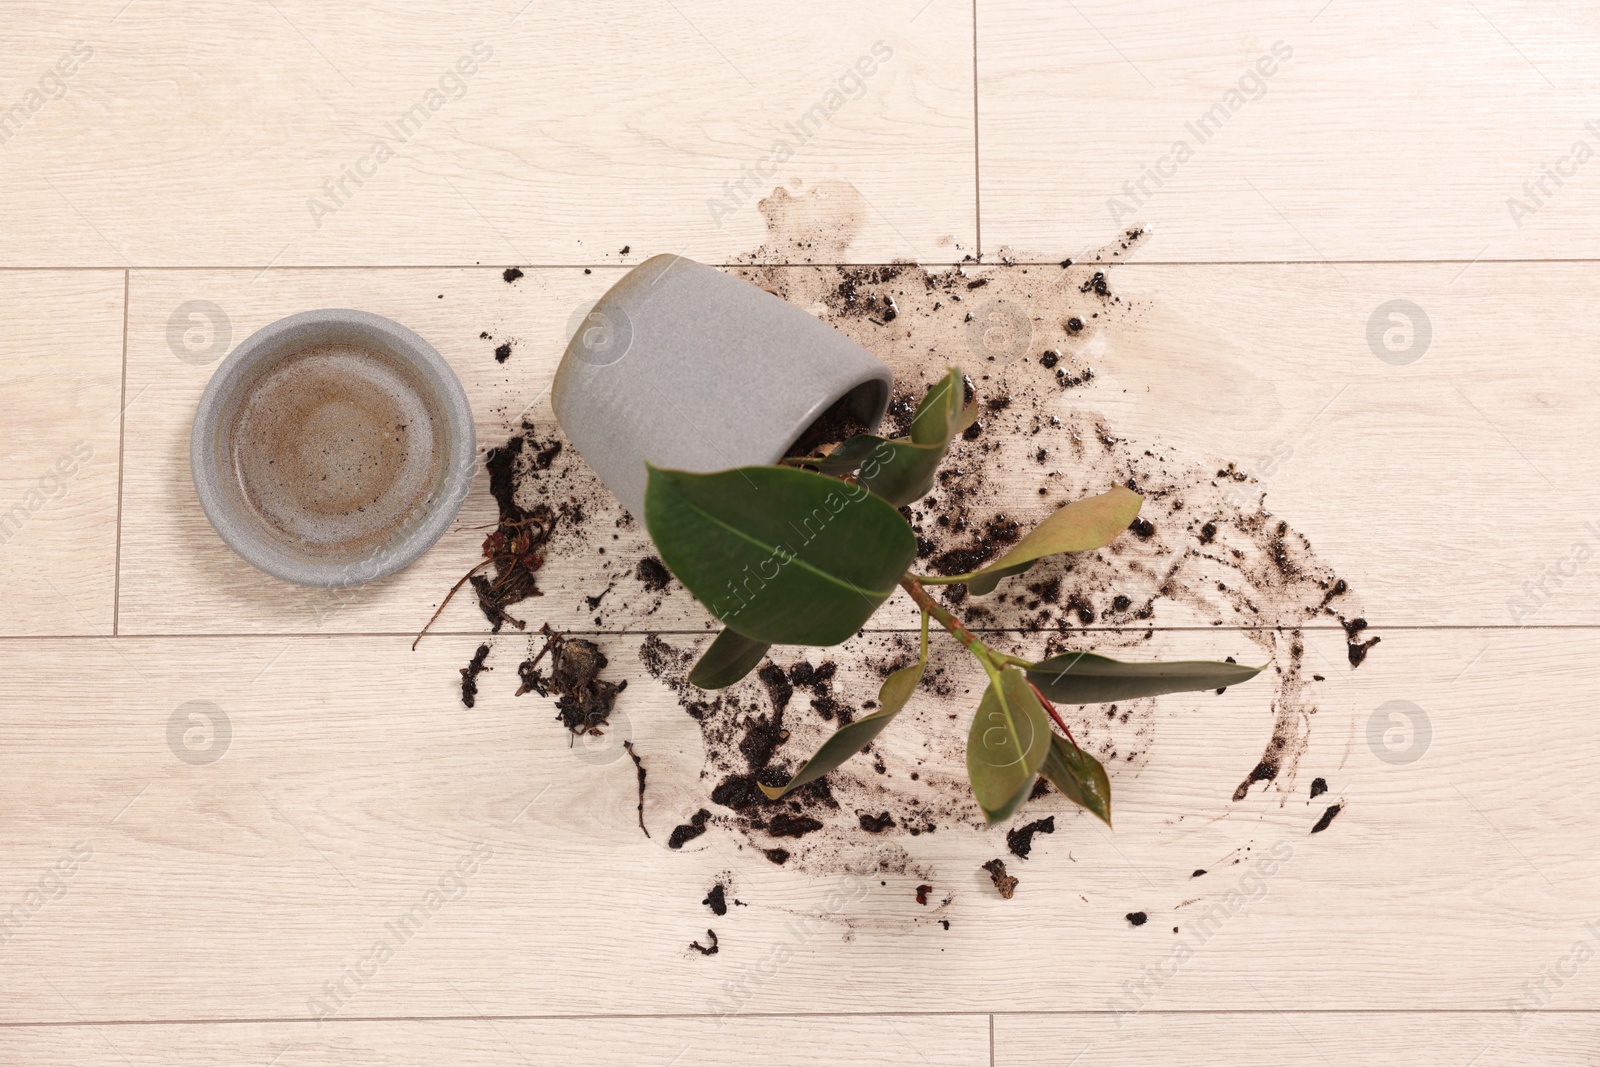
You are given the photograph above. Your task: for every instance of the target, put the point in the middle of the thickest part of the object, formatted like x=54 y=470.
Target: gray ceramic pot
x=688 y=367
x=376 y=383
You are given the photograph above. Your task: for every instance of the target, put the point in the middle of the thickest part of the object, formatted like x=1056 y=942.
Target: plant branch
x=453 y=590
x=919 y=596
x=988 y=657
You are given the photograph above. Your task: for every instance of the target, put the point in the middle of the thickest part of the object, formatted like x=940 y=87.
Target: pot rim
x=284 y=337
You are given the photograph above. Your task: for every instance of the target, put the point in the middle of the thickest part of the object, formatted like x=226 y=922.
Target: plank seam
x=122 y=436
x=602 y=1017
x=257 y=267
x=485 y=634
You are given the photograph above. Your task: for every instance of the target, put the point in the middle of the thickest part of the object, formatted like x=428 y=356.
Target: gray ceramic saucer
x=688 y=367
x=441 y=490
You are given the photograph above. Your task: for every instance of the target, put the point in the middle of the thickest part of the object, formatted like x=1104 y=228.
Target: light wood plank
x=889 y=1041
x=354 y=781
x=1266 y=1039
x=1391 y=131
x=60 y=389
x=1464 y=458
x=573 y=133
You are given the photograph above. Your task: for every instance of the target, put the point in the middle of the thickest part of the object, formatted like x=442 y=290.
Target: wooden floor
x=1383 y=214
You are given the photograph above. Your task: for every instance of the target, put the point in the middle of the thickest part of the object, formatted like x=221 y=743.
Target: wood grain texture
x=353 y=784
x=1468 y=458
x=1265 y=1038
x=1377 y=132
x=60 y=392
x=890 y=1041
x=255 y=827
x=563 y=137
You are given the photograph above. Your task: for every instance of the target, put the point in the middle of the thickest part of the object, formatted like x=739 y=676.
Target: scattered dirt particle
x=876 y=824
x=1358 y=650
x=717 y=899
x=1020 y=839
x=469 y=676
x=638 y=766
x=705 y=950
x=1319 y=786
x=1137 y=918
x=785 y=825
x=1327 y=817
x=502 y=352
x=922 y=894
x=1005 y=883
x=686 y=832
x=583 y=699
x=1198 y=872
x=653 y=573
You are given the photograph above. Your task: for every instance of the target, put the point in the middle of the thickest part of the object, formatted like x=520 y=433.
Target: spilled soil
x=1206 y=552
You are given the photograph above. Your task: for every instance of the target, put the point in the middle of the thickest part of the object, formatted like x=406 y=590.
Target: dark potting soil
x=638 y=766
x=717 y=899
x=922 y=894
x=1137 y=918
x=583 y=699
x=784 y=824
x=836 y=424
x=515 y=547
x=1005 y=883
x=469 y=676
x=1327 y=818
x=511 y=274
x=1319 y=786
x=683 y=834
x=1020 y=839
x=653 y=573
x=706 y=950
x=1212 y=555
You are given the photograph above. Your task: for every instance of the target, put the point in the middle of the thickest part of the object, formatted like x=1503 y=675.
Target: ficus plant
x=803 y=553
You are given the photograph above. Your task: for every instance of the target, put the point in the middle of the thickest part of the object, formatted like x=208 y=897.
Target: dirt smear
x=1207 y=552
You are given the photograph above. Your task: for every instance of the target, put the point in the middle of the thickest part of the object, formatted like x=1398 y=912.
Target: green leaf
x=934 y=422
x=781 y=555
x=1080 y=777
x=731 y=656
x=1080 y=526
x=1007 y=745
x=848 y=740
x=848 y=457
x=1085 y=678
x=902 y=469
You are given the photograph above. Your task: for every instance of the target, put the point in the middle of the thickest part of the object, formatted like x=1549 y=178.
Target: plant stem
x=919 y=596
x=943 y=579
x=991 y=660
x=453 y=590
x=1051 y=708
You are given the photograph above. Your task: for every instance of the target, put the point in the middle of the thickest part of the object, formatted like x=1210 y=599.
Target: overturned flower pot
x=684 y=367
